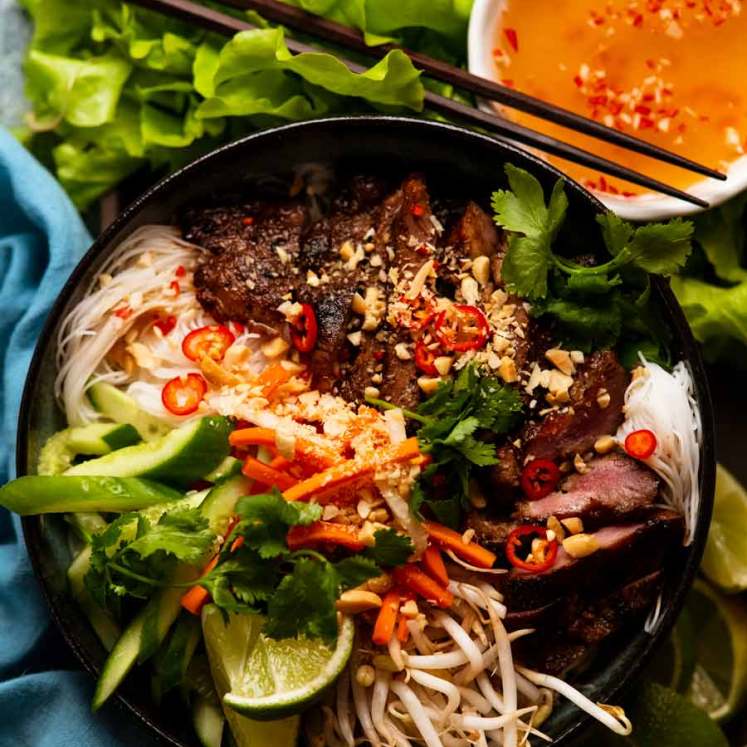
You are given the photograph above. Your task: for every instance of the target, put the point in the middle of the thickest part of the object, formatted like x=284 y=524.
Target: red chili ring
x=539 y=478
x=305 y=329
x=515 y=540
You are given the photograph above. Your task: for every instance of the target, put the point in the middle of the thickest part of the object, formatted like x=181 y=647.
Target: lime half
x=229 y=647
x=719 y=681
x=283 y=677
x=725 y=557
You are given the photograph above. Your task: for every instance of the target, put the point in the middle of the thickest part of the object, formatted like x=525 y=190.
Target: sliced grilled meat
x=354 y=213
x=255 y=250
x=501 y=481
x=626 y=552
x=595 y=620
x=573 y=430
x=490 y=532
x=413 y=239
x=615 y=487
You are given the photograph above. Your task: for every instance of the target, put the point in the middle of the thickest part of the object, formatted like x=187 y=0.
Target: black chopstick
x=337 y=33
x=222 y=23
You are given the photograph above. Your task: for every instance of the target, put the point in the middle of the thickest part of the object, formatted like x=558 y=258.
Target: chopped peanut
x=481 y=269
x=580 y=545
x=356 y=600
x=561 y=359
x=574 y=525
x=604 y=444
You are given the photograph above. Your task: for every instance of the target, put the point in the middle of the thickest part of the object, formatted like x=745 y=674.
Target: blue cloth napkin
x=44 y=697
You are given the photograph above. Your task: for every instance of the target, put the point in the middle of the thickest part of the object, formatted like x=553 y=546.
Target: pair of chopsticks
x=338 y=34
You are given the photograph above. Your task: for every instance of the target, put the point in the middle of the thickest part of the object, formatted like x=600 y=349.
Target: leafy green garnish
x=593 y=306
x=132 y=556
x=390 y=549
x=459 y=423
x=115 y=87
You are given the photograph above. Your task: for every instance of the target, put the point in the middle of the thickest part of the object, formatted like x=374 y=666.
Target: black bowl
x=457 y=161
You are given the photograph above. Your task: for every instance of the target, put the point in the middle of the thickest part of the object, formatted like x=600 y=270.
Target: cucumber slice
x=172 y=660
x=86 y=524
x=60 y=450
x=102 y=623
x=180 y=457
x=121 y=408
x=221 y=502
x=36 y=494
x=149 y=628
x=208 y=721
x=229 y=467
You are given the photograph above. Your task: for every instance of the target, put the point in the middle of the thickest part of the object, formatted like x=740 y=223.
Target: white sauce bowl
x=483 y=26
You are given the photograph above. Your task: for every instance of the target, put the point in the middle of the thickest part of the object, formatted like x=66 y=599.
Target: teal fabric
x=44 y=698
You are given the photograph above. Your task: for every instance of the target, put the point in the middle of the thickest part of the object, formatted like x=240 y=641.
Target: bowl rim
x=691 y=353
x=485 y=19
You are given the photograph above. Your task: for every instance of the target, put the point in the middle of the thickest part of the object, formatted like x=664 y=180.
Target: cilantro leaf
x=390 y=549
x=133 y=557
x=356 y=570
x=304 y=602
x=266 y=518
x=533 y=224
x=661 y=248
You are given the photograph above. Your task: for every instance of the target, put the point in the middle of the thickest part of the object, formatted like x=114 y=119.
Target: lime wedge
x=725 y=557
x=283 y=677
x=229 y=648
x=719 y=682
x=674 y=663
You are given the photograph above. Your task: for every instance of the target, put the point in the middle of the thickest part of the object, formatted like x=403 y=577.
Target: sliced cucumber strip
x=229 y=467
x=101 y=621
x=221 y=502
x=36 y=494
x=181 y=456
x=121 y=408
x=208 y=721
x=60 y=450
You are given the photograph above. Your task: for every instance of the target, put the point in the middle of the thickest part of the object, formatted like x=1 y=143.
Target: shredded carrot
x=280 y=462
x=310 y=452
x=197 y=597
x=470 y=552
x=411 y=577
x=265 y=474
x=403 y=632
x=352 y=472
x=273 y=377
x=387 y=619
x=433 y=564
x=324 y=533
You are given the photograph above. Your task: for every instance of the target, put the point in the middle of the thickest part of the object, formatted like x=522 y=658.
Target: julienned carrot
x=346 y=474
x=403 y=632
x=387 y=619
x=307 y=451
x=272 y=377
x=433 y=564
x=470 y=552
x=411 y=577
x=265 y=474
x=198 y=596
x=324 y=533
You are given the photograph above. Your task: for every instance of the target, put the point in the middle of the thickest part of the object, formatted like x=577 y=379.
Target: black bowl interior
x=457 y=162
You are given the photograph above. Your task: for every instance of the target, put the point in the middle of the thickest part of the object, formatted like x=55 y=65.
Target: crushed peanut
x=580 y=545
x=574 y=524
x=604 y=444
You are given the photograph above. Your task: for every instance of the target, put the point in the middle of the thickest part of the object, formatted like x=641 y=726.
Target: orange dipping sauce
x=673 y=72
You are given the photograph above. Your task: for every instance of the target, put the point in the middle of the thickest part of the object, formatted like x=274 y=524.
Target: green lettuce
x=713 y=289
x=115 y=88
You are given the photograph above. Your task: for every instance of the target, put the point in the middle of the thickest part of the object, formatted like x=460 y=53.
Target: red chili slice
x=424 y=358
x=539 y=478
x=305 y=329
x=183 y=394
x=462 y=327
x=640 y=444
x=520 y=538
x=211 y=341
x=166 y=324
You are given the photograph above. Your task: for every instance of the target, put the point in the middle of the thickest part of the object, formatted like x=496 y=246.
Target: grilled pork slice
x=626 y=552
x=490 y=532
x=615 y=487
x=414 y=237
x=254 y=249
x=590 y=414
x=569 y=627
x=352 y=219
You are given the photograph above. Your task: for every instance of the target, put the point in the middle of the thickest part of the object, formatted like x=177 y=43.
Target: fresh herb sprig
x=459 y=423
x=593 y=306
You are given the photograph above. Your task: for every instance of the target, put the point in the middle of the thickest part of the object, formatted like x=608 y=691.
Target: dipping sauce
x=673 y=72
